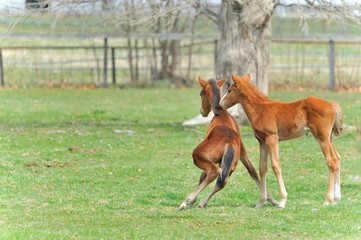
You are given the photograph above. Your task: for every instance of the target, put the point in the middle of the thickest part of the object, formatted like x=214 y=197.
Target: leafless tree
x=245 y=34
x=244 y=25
x=169 y=48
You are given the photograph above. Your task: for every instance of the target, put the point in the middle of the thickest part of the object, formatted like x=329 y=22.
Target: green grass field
x=69 y=171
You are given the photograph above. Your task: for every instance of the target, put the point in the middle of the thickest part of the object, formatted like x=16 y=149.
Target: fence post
x=105 y=71
x=215 y=55
x=2 y=68
x=113 y=65
x=332 y=64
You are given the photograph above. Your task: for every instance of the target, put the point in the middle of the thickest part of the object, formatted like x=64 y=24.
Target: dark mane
x=217 y=96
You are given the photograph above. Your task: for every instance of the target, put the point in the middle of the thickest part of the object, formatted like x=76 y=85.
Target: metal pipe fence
x=293 y=63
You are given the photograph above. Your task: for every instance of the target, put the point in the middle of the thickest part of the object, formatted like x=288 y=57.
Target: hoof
x=202 y=205
x=186 y=203
x=258 y=206
x=183 y=206
x=281 y=206
x=327 y=203
x=336 y=200
x=273 y=202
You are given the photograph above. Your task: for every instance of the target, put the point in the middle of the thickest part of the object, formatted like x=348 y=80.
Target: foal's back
x=224 y=123
x=292 y=120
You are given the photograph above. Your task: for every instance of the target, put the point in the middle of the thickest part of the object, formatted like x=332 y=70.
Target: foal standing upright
x=222 y=145
x=274 y=121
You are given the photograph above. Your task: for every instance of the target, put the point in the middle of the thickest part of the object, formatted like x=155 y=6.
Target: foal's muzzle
x=202 y=112
x=222 y=106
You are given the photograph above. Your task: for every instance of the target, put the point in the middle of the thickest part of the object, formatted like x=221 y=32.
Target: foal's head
x=210 y=95
x=232 y=95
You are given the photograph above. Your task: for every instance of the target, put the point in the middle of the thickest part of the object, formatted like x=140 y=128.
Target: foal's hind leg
x=229 y=164
x=333 y=165
x=202 y=177
x=337 y=184
x=321 y=129
x=211 y=171
x=220 y=184
x=272 y=145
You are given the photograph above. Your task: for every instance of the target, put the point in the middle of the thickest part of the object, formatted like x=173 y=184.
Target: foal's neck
x=252 y=100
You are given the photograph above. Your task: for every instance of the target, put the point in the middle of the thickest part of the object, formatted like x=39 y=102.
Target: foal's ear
x=234 y=78
x=201 y=82
x=221 y=82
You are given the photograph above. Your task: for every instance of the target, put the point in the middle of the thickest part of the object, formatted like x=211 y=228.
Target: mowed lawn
x=116 y=164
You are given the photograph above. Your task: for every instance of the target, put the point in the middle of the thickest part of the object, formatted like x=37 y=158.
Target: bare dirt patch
x=77 y=149
x=54 y=165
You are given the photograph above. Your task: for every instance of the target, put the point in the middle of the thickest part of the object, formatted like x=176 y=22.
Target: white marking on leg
x=283 y=194
x=337 y=187
x=337 y=193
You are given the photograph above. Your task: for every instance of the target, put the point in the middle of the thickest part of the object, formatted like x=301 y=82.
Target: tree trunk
x=244 y=45
x=170 y=49
x=245 y=40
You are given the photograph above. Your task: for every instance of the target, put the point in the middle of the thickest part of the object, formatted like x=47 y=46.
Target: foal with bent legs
x=222 y=145
x=274 y=121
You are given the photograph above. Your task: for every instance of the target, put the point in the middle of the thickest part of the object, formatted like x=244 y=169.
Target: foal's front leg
x=262 y=173
x=272 y=145
x=253 y=173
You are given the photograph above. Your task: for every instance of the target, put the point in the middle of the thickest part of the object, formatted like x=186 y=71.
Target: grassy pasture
x=68 y=171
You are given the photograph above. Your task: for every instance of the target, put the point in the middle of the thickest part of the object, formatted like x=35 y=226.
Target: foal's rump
x=213 y=147
x=323 y=113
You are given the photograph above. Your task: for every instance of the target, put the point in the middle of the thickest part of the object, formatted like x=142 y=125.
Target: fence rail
x=316 y=39
x=294 y=56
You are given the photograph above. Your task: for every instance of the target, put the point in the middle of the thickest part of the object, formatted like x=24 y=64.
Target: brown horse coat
x=274 y=121
x=218 y=153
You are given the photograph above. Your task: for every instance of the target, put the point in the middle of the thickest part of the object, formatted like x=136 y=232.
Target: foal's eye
x=229 y=91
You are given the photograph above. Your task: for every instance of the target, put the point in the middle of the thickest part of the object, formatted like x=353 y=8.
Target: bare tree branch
x=207 y=11
x=113 y=12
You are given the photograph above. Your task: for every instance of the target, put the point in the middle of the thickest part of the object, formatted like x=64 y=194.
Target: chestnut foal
x=274 y=121
x=222 y=145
